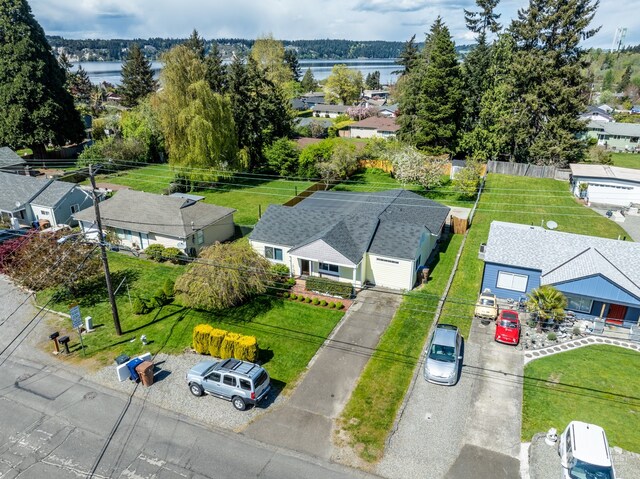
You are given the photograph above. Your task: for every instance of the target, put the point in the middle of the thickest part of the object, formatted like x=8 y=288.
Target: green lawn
x=626 y=160
x=372 y=408
x=288 y=333
x=518 y=200
x=579 y=385
x=246 y=194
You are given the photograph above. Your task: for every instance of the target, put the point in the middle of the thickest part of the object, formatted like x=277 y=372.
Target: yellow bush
x=215 y=341
x=201 y=335
x=246 y=349
x=228 y=345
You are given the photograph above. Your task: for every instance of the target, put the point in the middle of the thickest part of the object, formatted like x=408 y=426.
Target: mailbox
x=64 y=340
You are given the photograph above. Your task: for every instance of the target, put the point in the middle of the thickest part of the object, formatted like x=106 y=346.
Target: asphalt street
x=56 y=424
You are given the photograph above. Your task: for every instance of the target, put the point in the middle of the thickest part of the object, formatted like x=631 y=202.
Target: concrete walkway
x=304 y=423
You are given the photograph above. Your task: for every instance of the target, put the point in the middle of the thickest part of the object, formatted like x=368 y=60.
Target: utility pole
x=103 y=254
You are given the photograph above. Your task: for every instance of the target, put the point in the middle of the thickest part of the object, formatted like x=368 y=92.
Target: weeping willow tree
x=197 y=123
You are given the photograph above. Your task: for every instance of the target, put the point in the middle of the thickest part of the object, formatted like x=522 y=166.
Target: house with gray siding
x=379 y=238
x=606 y=185
x=615 y=136
x=329 y=111
x=141 y=219
x=600 y=277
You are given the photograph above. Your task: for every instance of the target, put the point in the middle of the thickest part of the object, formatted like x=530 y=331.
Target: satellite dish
x=552 y=225
x=17 y=204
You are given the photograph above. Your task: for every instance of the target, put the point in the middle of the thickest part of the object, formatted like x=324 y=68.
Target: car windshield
x=505 y=323
x=583 y=470
x=487 y=302
x=507 y=315
x=445 y=354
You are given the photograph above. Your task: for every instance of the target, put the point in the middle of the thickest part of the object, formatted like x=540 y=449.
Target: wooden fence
x=527 y=169
x=306 y=193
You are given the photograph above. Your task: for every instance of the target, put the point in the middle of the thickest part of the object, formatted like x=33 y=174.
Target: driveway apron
x=305 y=422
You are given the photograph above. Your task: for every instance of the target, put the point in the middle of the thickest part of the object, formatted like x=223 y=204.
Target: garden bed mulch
x=299 y=288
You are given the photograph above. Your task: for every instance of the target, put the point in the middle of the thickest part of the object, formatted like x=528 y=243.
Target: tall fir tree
x=216 y=69
x=291 y=59
x=137 y=77
x=308 y=83
x=81 y=85
x=36 y=107
x=625 y=81
x=408 y=57
x=372 y=81
x=195 y=43
x=430 y=101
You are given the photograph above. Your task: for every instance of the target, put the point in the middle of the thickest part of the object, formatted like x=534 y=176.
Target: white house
x=329 y=111
x=375 y=127
x=142 y=219
x=380 y=238
x=608 y=185
x=595 y=113
x=26 y=199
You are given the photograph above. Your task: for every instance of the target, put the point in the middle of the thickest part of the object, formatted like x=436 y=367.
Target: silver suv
x=237 y=381
x=443 y=355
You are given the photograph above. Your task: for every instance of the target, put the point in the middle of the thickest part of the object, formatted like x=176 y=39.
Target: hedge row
x=332 y=288
x=223 y=344
x=314 y=301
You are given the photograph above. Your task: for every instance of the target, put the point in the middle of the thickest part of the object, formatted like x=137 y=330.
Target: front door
x=304 y=267
x=616 y=314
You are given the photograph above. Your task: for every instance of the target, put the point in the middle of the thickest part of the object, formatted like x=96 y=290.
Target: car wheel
x=239 y=403
x=195 y=389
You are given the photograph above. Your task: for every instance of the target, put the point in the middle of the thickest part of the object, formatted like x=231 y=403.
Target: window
x=273 y=253
x=327 y=268
x=127 y=235
x=120 y=233
x=214 y=377
x=200 y=236
x=579 y=303
x=229 y=380
x=384 y=260
x=75 y=209
x=246 y=385
x=44 y=212
x=514 y=282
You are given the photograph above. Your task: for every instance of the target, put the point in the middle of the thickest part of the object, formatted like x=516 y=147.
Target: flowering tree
x=412 y=166
x=360 y=112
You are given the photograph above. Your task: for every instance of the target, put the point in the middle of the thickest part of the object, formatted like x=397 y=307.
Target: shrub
x=246 y=349
x=167 y=287
x=332 y=305
x=173 y=255
x=160 y=298
x=308 y=300
x=285 y=295
x=202 y=338
x=323 y=303
x=139 y=306
x=576 y=331
x=155 y=252
x=228 y=345
x=315 y=301
x=552 y=336
x=290 y=282
x=301 y=298
x=326 y=286
x=294 y=296
x=339 y=305
x=216 y=336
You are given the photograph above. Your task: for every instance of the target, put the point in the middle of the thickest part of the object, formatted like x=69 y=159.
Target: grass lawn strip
x=594 y=384
x=626 y=160
x=518 y=200
x=372 y=408
x=288 y=333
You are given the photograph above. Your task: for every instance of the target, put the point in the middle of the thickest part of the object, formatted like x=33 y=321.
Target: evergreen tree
x=372 y=81
x=216 y=69
x=625 y=81
x=291 y=59
x=607 y=80
x=195 y=43
x=36 y=108
x=137 y=77
x=308 y=83
x=431 y=98
x=81 y=85
x=408 y=57
x=484 y=21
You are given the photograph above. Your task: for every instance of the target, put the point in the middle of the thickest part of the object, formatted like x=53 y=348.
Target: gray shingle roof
x=387 y=223
x=150 y=213
x=604 y=171
x=27 y=189
x=564 y=257
x=322 y=107
x=8 y=158
x=614 y=128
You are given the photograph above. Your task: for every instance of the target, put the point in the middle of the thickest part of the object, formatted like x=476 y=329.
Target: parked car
x=487 y=306
x=584 y=452
x=241 y=382
x=6 y=234
x=443 y=356
x=508 y=327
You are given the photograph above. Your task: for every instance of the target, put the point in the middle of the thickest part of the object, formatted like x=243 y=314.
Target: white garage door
x=389 y=272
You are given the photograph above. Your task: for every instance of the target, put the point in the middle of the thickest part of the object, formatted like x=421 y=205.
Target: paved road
x=55 y=424
x=305 y=422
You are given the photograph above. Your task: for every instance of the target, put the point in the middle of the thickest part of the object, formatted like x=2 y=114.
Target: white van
x=584 y=452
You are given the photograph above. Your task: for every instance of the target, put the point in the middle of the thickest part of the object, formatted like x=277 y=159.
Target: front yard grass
x=372 y=408
x=518 y=200
x=579 y=385
x=626 y=160
x=288 y=333
x=246 y=194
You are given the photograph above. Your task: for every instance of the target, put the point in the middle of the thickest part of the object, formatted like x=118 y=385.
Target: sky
x=294 y=19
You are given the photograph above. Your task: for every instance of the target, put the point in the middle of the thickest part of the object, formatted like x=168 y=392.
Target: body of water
x=111 y=71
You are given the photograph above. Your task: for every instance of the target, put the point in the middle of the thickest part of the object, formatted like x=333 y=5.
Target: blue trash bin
x=131 y=365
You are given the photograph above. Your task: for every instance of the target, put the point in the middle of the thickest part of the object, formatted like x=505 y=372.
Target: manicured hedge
x=332 y=288
x=223 y=344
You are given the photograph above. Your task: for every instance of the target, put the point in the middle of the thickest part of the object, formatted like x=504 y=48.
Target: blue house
x=600 y=277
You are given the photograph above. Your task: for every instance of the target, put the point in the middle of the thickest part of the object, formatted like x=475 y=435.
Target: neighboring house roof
x=563 y=257
x=605 y=107
x=305 y=121
x=605 y=172
x=312 y=94
x=9 y=158
x=324 y=107
x=614 y=128
x=377 y=123
x=149 y=213
x=298 y=104
x=27 y=189
x=386 y=223
x=596 y=111
x=393 y=107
